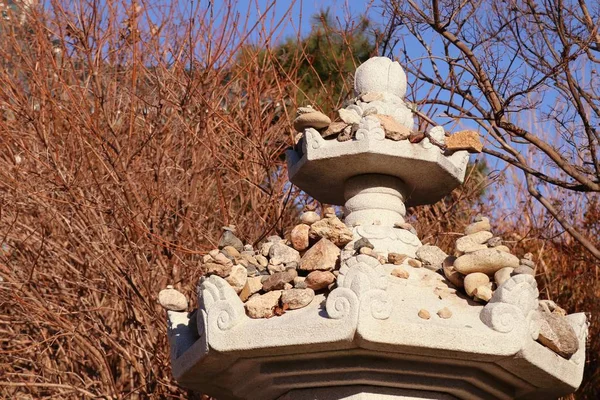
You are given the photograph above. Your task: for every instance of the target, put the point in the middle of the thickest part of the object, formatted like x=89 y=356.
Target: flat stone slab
x=322 y=166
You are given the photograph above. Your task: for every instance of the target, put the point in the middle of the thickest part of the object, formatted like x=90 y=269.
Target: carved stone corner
x=361 y=290
x=222 y=307
x=580 y=324
x=513 y=306
x=370 y=128
x=312 y=140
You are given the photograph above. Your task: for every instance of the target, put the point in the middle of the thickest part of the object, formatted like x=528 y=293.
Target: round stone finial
x=380 y=74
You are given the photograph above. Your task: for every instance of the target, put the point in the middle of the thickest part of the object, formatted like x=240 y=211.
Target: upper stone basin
x=321 y=167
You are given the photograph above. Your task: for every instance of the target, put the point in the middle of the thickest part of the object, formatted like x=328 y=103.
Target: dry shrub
x=130 y=135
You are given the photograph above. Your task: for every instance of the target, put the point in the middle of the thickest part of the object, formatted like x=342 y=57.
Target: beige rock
x=393 y=129
x=299 y=237
x=265 y=248
x=318 y=280
x=399 y=272
x=464 y=140
x=237 y=278
x=263 y=305
x=366 y=250
x=324 y=256
x=475 y=280
x=253 y=285
x=329 y=212
x=483 y=225
x=557 y=334
x=231 y=251
x=483 y=293
x=297 y=298
x=331 y=229
x=396 y=259
x=502 y=248
x=414 y=263
x=502 y=275
x=444 y=313
x=372 y=96
x=349 y=116
x=218 y=269
x=262 y=260
x=172 y=300
x=455 y=277
x=473 y=242
x=431 y=256
x=524 y=269
x=316 y=120
x=309 y=217
x=222 y=259
x=487 y=261
x=334 y=129
x=424 y=314
x=284 y=253
x=278 y=280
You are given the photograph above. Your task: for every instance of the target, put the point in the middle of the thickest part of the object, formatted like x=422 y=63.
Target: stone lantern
x=372 y=336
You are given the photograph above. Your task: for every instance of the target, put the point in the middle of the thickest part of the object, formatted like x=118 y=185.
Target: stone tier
x=322 y=167
x=369 y=331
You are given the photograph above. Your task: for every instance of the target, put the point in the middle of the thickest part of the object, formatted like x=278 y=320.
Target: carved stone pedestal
x=368 y=332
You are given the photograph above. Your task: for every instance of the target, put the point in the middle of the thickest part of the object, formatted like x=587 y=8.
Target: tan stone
x=237 y=278
x=253 y=285
x=502 y=275
x=399 y=272
x=372 y=96
x=473 y=242
x=263 y=306
x=557 y=334
x=487 y=261
x=424 y=314
x=316 y=120
x=483 y=293
x=444 y=313
x=318 y=280
x=396 y=259
x=502 y=248
x=464 y=140
x=478 y=226
x=322 y=256
x=393 y=129
x=297 y=298
x=231 y=251
x=455 y=277
x=278 y=280
x=349 y=116
x=218 y=269
x=334 y=129
x=475 y=280
x=299 y=237
x=331 y=229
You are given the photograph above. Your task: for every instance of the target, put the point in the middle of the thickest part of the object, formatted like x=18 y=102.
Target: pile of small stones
x=282 y=274
x=345 y=126
x=285 y=274
x=482 y=262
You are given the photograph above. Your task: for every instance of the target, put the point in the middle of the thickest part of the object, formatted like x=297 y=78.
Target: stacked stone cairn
x=482 y=263
x=282 y=274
